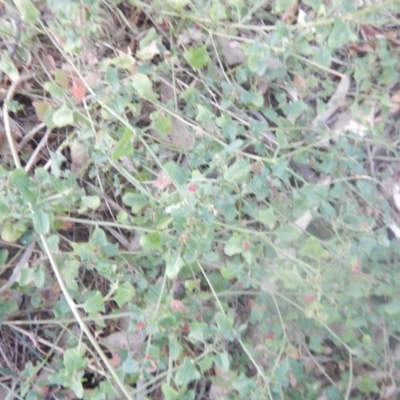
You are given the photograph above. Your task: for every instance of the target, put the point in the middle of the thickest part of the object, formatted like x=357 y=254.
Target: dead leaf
x=395 y=103
x=362 y=48
x=125 y=340
x=40 y=108
x=61 y=78
x=396 y=195
x=290 y=13
x=299 y=82
x=334 y=102
x=178 y=306
x=231 y=51
x=78 y=89
x=149 y=52
x=162 y=181
x=115 y=360
x=79 y=155
x=292 y=379
x=180 y=134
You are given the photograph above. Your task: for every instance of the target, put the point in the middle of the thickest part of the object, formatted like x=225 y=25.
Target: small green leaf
x=77 y=387
x=151 y=241
x=135 y=200
x=175 y=348
x=186 y=373
x=169 y=393
x=63 y=116
x=8 y=67
x=99 y=237
x=123 y=61
x=3 y=256
x=94 y=303
x=287 y=233
x=177 y=174
x=89 y=202
x=28 y=12
x=54 y=89
x=237 y=172
x=222 y=360
x=41 y=222
x=392 y=308
x=24 y=184
x=11 y=232
x=174 y=264
x=197 y=57
x=224 y=324
x=161 y=123
x=204 y=114
x=266 y=216
x=291 y=278
x=368 y=385
x=313 y=248
x=7 y=307
x=233 y=246
x=124 y=146
x=341 y=34
x=124 y=293
x=142 y=84
x=74 y=360
x=217 y=11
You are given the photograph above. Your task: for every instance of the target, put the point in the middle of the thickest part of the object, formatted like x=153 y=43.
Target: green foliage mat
x=200 y=199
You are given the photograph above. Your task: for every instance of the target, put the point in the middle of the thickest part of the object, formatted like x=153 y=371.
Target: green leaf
x=3 y=256
x=94 y=303
x=238 y=171
x=77 y=387
x=175 y=348
x=89 y=202
x=55 y=90
x=124 y=293
x=99 y=237
x=186 y=373
x=217 y=11
x=392 y=308
x=151 y=241
x=135 y=200
x=313 y=248
x=222 y=361
x=11 y=232
x=287 y=233
x=291 y=278
x=124 y=146
x=233 y=246
x=63 y=116
x=123 y=62
x=28 y=12
x=8 y=67
x=368 y=385
x=169 y=393
x=161 y=123
x=142 y=84
x=7 y=307
x=74 y=360
x=341 y=34
x=266 y=216
x=24 y=184
x=174 y=264
x=197 y=57
x=204 y=114
x=177 y=174
x=41 y=222
x=224 y=324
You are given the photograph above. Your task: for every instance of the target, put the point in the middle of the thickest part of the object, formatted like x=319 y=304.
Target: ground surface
x=200 y=199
